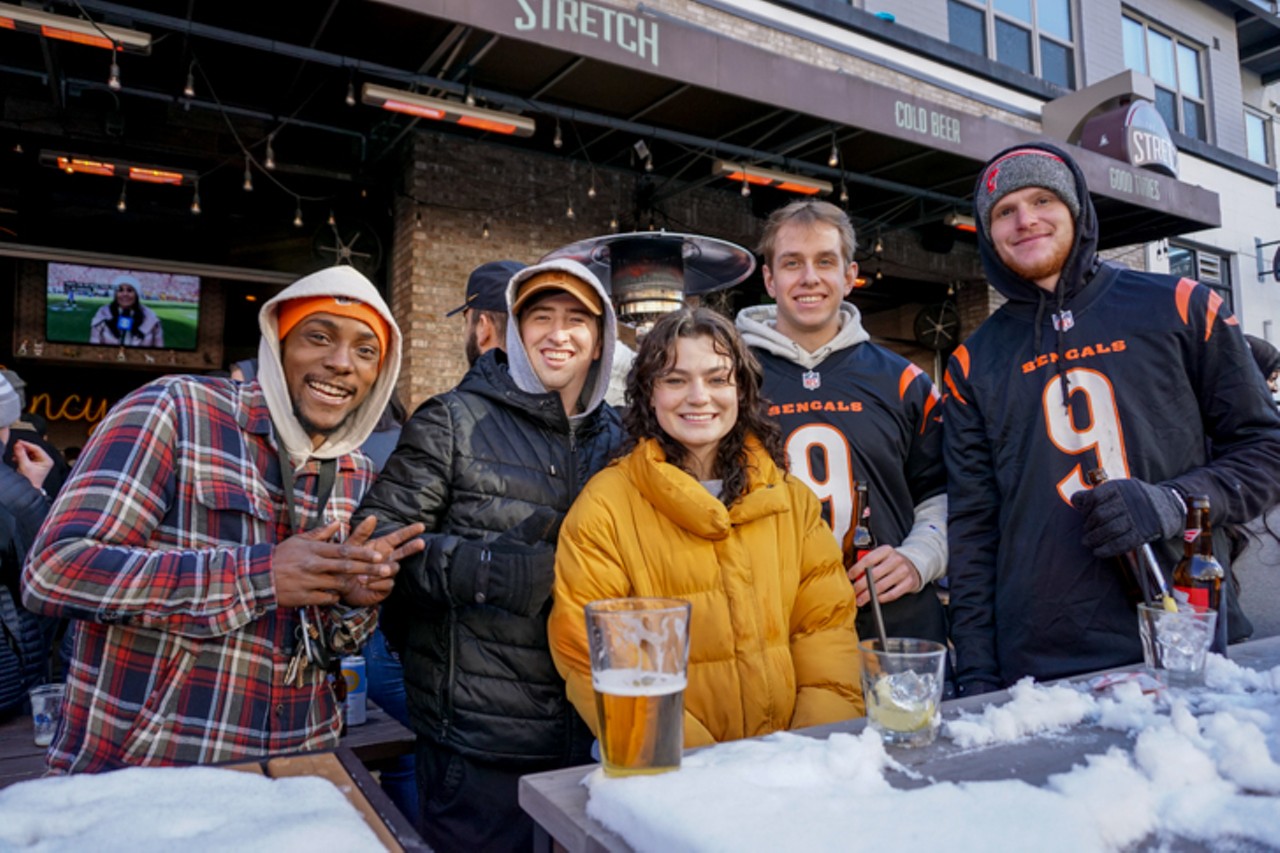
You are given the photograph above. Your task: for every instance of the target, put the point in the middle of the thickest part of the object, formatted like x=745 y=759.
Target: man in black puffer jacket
x=491 y=467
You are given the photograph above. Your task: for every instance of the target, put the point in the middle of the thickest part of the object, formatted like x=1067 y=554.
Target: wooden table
x=558 y=801
x=379 y=740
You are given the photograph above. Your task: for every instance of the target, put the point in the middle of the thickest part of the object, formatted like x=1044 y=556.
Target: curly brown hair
x=657 y=357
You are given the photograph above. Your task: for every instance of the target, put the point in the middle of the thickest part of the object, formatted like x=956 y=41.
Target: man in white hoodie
x=491 y=468
x=206 y=530
x=852 y=411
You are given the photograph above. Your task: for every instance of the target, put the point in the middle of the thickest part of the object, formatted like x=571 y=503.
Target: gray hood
x=518 y=360
x=759 y=323
x=334 y=281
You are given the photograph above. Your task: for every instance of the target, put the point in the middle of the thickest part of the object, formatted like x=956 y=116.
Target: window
x=1208 y=268
x=1258 y=136
x=1176 y=65
x=1034 y=36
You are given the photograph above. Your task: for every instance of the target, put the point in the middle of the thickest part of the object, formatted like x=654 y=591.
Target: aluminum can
x=356 y=703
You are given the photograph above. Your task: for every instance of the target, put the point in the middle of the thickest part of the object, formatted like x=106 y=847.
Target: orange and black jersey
x=1159 y=386
x=865 y=414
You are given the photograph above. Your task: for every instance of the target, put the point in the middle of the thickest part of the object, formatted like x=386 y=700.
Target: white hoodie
x=334 y=281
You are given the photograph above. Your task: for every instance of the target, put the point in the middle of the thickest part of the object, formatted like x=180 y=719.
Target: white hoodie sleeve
x=926 y=544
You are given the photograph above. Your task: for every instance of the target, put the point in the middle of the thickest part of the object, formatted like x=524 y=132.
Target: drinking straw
x=875 y=610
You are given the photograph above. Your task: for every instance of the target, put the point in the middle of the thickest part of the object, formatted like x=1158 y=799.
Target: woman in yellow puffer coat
x=702 y=509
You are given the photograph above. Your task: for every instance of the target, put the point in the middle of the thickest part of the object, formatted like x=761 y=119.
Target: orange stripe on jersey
x=1183 y=297
x=909 y=374
x=934 y=397
x=1211 y=313
x=961 y=355
x=951 y=384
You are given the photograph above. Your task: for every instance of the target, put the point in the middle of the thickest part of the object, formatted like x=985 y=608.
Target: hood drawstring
x=1061 y=326
x=1036 y=340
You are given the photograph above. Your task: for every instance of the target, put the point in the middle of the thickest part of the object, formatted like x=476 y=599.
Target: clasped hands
x=308 y=569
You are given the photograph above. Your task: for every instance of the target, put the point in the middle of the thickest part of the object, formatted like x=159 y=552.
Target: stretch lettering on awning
x=629 y=32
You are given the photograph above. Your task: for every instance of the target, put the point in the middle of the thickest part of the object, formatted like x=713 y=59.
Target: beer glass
x=639 y=654
x=902 y=688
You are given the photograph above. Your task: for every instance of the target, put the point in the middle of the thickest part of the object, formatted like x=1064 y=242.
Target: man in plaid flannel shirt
x=176 y=547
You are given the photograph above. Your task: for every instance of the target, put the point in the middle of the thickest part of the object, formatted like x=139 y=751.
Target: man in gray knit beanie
x=1022 y=168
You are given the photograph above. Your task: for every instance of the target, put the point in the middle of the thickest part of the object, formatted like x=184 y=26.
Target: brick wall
x=452 y=187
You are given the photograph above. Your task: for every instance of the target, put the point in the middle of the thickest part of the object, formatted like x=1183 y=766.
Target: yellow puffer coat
x=772 y=643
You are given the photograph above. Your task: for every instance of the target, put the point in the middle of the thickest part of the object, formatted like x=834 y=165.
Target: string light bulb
x=332 y=221
x=484 y=232
x=833 y=159
x=195 y=200
x=297 y=215
x=470 y=98
x=558 y=141
x=613 y=223
x=270 y=162
x=879 y=274
x=568 y=213
x=122 y=205
x=189 y=90
x=844 y=194
x=648 y=163
x=248 y=175
x=350 y=99
x=113 y=77
x=591 y=190
x=746 y=189
x=879 y=250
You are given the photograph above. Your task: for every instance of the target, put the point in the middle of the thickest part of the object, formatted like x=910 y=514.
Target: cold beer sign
x=1136 y=134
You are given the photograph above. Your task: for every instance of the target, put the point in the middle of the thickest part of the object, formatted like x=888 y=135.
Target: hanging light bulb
x=113 y=78
x=591 y=190
x=833 y=159
x=879 y=245
x=195 y=200
x=248 y=176
x=122 y=205
x=879 y=274
x=569 y=214
x=558 y=141
x=484 y=232
x=351 y=94
x=17 y=148
x=271 y=153
x=613 y=223
x=648 y=163
x=470 y=98
x=331 y=219
x=746 y=189
x=844 y=194
x=189 y=90
x=297 y=215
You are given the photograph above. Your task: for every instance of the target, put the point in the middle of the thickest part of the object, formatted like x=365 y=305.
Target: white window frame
x=1179 y=94
x=1268 y=136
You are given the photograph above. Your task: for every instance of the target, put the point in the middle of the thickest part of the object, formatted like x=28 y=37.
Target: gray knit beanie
x=1021 y=168
x=10 y=407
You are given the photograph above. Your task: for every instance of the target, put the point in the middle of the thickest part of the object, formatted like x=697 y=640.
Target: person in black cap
x=485 y=307
x=1087 y=365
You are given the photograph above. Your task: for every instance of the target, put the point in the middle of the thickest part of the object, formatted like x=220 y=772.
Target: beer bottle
x=861 y=540
x=1184 y=583
x=1207 y=575
x=1132 y=581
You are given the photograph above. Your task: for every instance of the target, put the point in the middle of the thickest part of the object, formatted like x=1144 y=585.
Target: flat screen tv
x=110 y=306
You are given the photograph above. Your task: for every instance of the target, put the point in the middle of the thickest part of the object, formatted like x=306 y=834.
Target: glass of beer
x=639 y=654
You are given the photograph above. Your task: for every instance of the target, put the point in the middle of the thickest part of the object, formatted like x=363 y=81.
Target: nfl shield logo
x=812 y=381
x=1063 y=322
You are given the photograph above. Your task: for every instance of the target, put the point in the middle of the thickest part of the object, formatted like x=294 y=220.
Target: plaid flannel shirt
x=161 y=543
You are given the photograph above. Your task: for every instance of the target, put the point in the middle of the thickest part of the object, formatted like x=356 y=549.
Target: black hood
x=1080 y=263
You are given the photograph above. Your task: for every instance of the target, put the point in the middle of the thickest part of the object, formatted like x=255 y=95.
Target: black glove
x=515 y=571
x=1121 y=515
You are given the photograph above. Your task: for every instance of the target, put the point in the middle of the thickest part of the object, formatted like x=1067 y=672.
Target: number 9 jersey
x=1142 y=374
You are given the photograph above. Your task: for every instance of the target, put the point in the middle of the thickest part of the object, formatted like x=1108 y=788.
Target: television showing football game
x=107 y=306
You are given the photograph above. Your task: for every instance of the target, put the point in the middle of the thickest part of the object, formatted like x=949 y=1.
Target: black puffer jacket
x=491 y=470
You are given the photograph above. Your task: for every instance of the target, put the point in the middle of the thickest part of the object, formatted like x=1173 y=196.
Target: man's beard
x=312 y=429
x=472 y=348
x=1043 y=269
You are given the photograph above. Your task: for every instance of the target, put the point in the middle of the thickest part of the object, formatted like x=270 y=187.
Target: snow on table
x=1195 y=765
